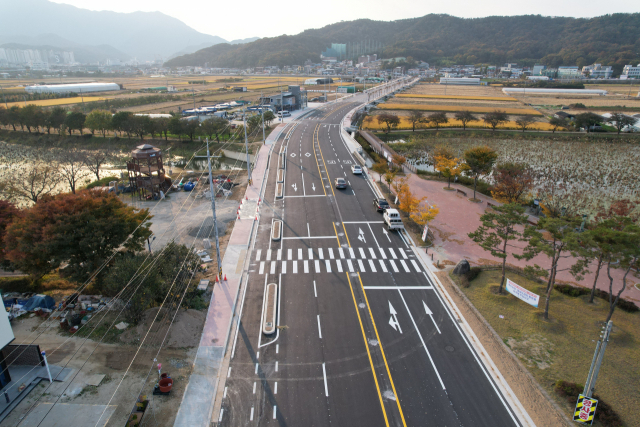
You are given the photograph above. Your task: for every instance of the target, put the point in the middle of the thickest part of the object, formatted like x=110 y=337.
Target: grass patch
x=97 y=328
x=562 y=348
x=103 y=182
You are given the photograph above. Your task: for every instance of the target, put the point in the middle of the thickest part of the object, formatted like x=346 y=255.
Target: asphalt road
x=363 y=337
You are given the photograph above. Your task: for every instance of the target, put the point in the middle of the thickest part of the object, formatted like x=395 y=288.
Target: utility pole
x=598 y=355
x=213 y=208
x=264 y=140
x=5 y=98
x=246 y=144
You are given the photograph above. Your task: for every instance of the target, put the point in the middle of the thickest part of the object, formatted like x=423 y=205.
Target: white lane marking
x=393 y=254
x=383 y=266
x=224 y=395
x=373 y=266
x=306 y=266
x=398 y=287
x=284 y=267
x=324 y=374
x=274 y=412
x=319 y=328
x=353 y=255
x=315 y=292
x=341 y=252
x=345 y=174
x=317 y=265
x=308 y=230
x=384 y=256
x=275 y=388
x=251 y=417
x=339 y=264
x=422 y=340
x=221 y=413
x=417 y=267
x=373 y=253
x=371 y=229
x=404 y=264
x=320 y=253
x=279 y=257
x=268 y=254
x=258 y=253
x=299 y=253
x=261 y=267
x=276 y=366
x=277 y=348
x=331 y=253
x=295 y=267
x=254 y=387
x=258 y=355
x=403 y=254
x=429 y=313
x=289 y=254
x=256 y=369
x=362 y=254
x=361 y=265
x=273 y=267
x=350 y=266
x=229 y=372
x=310 y=253
x=328 y=265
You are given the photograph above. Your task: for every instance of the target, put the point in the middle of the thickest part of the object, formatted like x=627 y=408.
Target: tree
x=75 y=121
x=495 y=118
x=498 y=229
x=8 y=212
x=465 y=117
x=30 y=184
x=81 y=230
x=162 y=126
x=99 y=120
x=216 y=125
x=28 y=117
x=140 y=125
x=268 y=118
x=587 y=120
x=94 y=160
x=556 y=123
x=71 y=164
x=407 y=202
x=524 y=122
x=399 y=160
x=254 y=123
x=120 y=122
x=56 y=118
x=388 y=178
x=447 y=165
x=415 y=117
x=511 y=182
x=558 y=199
x=389 y=120
x=438 y=119
x=13 y=116
x=620 y=121
x=480 y=161
x=176 y=126
x=424 y=212
x=191 y=128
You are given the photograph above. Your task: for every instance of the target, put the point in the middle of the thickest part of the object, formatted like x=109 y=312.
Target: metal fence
x=26 y=355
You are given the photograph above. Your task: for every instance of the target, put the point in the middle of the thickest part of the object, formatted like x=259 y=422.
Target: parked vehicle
x=340 y=183
x=356 y=170
x=380 y=204
x=284 y=114
x=392 y=219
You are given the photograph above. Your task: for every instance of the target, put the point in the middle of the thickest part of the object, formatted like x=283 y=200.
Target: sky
x=259 y=18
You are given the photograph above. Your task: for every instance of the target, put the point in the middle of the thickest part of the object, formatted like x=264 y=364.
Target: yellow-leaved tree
x=424 y=213
x=447 y=164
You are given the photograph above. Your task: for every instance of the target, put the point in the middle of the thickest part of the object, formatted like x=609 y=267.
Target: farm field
x=58 y=101
x=371 y=123
x=476 y=98
x=458 y=107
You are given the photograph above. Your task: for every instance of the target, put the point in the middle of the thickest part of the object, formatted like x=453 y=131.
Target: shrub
x=473 y=273
x=577 y=105
x=574 y=291
x=604 y=413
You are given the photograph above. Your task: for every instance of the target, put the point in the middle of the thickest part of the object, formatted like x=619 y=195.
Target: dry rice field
x=458 y=107
x=58 y=101
x=371 y=123
x=475 y=98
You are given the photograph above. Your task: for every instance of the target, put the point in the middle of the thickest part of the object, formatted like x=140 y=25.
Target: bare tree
x=72 y=167
x=30 y=184
x=95 y=160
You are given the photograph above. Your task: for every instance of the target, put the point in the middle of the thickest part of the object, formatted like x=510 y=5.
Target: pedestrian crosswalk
x=328 y=260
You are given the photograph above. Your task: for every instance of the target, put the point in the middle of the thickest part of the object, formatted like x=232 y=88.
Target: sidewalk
x=458 y=217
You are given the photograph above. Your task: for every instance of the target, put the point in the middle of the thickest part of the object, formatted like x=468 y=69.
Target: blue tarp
x=42 y=301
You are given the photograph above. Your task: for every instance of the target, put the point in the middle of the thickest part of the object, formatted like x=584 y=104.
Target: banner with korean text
x=523 y=294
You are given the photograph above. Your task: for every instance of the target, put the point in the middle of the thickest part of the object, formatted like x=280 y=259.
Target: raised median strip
x=270 y=309
x=279 y=190
x=280 y=175
x=276 y=230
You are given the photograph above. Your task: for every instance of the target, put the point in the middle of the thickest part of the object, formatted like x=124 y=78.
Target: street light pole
x=213 y=209
x=598 y=355
x=246 y=143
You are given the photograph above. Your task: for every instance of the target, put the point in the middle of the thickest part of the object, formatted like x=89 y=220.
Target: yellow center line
x=313 y=138
x=382 y=351
x=366 y=344
x=346 y=235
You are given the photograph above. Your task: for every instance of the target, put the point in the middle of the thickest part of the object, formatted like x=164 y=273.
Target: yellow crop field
x=372 y=123
x=58 y=101
x=474 y=98
x=454 y=108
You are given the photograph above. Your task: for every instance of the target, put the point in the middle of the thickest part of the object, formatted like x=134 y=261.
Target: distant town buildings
x=597 y=71
x=631 y=72
x=36 y=59
x=570 y=72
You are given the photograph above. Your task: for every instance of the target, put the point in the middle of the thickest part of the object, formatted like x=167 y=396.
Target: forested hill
x=443 y=39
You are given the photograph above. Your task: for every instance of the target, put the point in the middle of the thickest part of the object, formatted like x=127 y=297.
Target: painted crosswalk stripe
x=416 y=266
x=320 y=253
x=261 y=267
x=295 y=267
x=373 y=253
x=361 y=265
x=403 y=254
x=339 y=265
x=289 y=254
x=373 y=266
x=362 y=254
x=350 y=266
x=404 y=264
x=310 y=253
x=393 y=254
x=328 y=265
x=341 y=252
x=383 y=266
x=268 y=254
x=393 y=265
x=258 y=253
x=382 y=254
x=331 y=253
x=353 y=255
x=299 y=253
x=273 y=267
x=317 y=263
x=306 y=266
x=279 y=254
x=284 y=267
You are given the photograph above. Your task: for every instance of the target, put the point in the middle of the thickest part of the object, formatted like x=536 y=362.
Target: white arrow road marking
x=386 y=233
x=361 y=236
x=295 y=187
x=393 y=320
x=313 y=186
x=430 y=313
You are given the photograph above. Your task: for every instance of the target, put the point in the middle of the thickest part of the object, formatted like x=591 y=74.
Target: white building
x=571 y=72
x=631 y=72
x=537 y=69
x=597 y=71
x=459 y=81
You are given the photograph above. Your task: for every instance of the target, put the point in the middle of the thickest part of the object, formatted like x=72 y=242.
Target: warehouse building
x=75 y=88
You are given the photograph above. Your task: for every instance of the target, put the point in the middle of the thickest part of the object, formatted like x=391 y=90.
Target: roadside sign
x=522 y=293
x=585 y=410
x=424 y=233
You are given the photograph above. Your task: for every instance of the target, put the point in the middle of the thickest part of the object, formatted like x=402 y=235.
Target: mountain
x=144 y=35
x=443 y=39
x=243 y=41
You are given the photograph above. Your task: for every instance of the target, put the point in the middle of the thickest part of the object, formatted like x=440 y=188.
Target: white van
x=392 y=219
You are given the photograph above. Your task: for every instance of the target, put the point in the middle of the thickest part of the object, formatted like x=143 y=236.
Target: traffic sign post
x=585 y=410
x=424 y=233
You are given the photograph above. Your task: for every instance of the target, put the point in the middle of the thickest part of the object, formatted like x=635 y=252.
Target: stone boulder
x=463 y=267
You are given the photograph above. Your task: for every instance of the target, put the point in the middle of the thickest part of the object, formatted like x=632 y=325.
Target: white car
x=356 y=170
